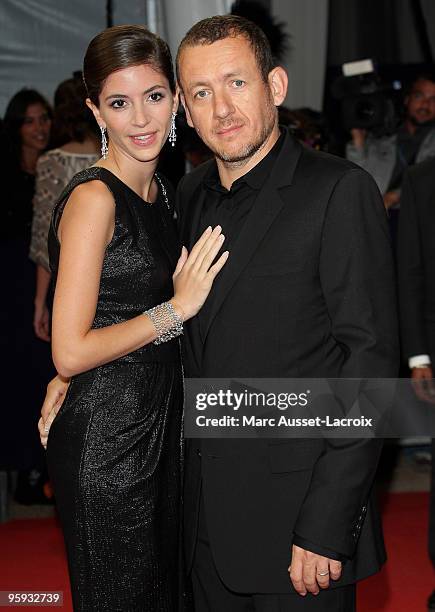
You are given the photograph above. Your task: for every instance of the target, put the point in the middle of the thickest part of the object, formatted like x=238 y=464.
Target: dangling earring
x=104 y=147
x=172 y=132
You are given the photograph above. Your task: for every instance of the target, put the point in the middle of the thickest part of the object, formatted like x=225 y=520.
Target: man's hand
x=391 y=198
x=56 y=390
x=423 y=383
x=358 y=137
x=310 y=572
x=41 y=321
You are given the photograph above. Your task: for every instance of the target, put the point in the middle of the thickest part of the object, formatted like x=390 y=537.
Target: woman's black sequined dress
x=114 y=449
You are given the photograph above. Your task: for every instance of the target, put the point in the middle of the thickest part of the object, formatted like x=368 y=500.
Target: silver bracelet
x=166 y=321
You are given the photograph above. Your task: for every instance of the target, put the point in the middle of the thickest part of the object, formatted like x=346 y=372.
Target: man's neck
x=410 y=127
x=229 y=173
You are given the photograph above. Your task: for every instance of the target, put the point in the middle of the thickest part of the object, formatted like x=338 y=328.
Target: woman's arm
x=85 y=230
x=43 y=201
x=41 y=318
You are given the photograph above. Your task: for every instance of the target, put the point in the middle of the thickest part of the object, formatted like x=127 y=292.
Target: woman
x=27 y=124
x=114 y=449
x=75 y=139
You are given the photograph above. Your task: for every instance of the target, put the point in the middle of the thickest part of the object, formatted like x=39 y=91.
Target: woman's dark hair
x=121 y=47
x=14 y=119
x=72 y=119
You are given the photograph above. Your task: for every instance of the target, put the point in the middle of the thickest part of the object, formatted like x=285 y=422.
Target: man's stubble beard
x=242 y=157
x=420 y=122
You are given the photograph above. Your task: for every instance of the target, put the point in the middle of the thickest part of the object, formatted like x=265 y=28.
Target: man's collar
x=257 y=176
x=420 y=128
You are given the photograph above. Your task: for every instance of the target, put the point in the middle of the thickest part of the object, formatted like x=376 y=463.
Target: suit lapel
x=190 y=226
x=265 y=209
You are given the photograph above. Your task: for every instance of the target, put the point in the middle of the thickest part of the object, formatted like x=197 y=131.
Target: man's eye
x=118 y=104
x=156 y=96
x=201 y=94
x=239 y=83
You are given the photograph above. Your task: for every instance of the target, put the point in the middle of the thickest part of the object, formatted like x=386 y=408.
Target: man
x=307 y=292
x=416 y=265
x=387 y=158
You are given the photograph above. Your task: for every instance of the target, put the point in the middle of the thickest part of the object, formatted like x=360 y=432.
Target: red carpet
x=32 y=558
x=407 y=578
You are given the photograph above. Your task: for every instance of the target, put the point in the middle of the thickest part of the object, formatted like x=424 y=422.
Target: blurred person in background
x=387 y=157
x=307 y=125
x=416 y=265
x=75 y=138
x=195 y=151
x=26 y=366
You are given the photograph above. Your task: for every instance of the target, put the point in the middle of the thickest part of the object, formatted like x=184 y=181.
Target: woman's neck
x=29 y=157
x=136 y=174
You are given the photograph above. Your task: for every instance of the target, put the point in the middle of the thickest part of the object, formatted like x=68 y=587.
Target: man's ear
x=278 y=83
x=186 y=110
x=96 y=112
x=176 y=102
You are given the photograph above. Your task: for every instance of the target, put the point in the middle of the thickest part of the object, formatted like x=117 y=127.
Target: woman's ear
x=96 y=112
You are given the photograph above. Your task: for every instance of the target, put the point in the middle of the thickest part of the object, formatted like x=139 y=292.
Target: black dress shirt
x=229 y=208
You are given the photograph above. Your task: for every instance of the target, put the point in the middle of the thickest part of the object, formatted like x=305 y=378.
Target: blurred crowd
x=44 y=146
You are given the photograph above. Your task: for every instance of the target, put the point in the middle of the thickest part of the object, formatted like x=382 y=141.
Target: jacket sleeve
x=357 y=278
x=410 y=275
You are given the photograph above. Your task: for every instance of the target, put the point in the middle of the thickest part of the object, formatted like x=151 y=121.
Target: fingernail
x=221 y=237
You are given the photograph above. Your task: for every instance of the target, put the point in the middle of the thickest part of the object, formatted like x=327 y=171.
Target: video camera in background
x=367 y=102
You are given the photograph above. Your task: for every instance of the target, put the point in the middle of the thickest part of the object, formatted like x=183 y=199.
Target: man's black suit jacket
x=308 y=291
x=416 y=261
